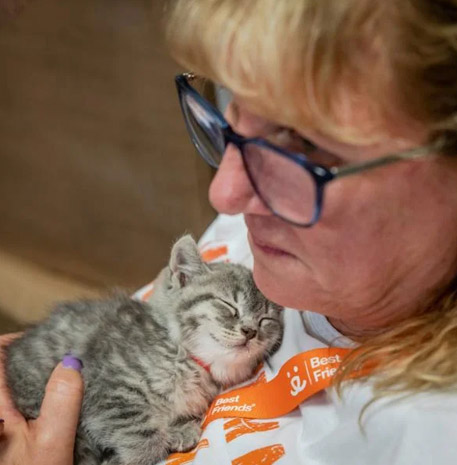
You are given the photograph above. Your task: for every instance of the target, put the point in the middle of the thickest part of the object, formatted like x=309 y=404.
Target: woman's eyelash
x=312 y=151
x=291 y=139
x=293 y=134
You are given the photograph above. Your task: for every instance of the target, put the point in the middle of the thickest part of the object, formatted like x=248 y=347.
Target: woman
x=340 y=159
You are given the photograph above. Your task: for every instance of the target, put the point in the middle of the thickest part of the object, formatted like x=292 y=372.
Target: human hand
x=50 y=439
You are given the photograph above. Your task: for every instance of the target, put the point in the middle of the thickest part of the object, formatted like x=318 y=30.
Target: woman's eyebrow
x=331 y=144
x=237 y=105
x=313 y=136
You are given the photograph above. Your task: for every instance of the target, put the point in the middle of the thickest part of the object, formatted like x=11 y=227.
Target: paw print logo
x=296 y=383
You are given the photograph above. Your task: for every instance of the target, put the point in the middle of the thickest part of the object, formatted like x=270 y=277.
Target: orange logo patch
x=186 y=457
x=264 y=456
x=209 y=255
x=147 y=294
x=241 y=426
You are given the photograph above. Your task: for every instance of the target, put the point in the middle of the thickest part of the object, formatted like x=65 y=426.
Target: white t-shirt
x=324 y=430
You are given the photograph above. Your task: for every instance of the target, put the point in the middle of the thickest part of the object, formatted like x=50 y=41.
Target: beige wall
x=97 y=175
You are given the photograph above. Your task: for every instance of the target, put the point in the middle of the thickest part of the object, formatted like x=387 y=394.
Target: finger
x=6 y=339
x=61 y=408
x=7 y=408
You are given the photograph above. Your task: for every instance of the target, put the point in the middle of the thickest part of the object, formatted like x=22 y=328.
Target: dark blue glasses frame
x=320 y=174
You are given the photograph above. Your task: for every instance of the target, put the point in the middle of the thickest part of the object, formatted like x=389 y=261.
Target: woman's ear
x=185 y=261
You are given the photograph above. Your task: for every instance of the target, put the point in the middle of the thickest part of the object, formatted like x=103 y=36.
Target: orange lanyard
x=299 y=378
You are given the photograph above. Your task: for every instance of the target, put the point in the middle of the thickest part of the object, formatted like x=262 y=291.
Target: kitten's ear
x=185 y=261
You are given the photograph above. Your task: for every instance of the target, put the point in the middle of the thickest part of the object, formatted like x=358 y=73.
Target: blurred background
x=97 y=173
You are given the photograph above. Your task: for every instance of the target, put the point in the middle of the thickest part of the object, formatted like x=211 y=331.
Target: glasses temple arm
x=388 y=159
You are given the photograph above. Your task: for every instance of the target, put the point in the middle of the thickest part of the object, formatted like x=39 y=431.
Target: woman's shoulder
x=428 y=422
x=403 y=429
x=434 y=413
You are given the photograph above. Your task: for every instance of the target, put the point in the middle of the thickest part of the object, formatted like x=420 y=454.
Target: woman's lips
x=268 y=248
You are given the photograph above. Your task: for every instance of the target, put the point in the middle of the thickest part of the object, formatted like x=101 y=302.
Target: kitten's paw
x=185 y=436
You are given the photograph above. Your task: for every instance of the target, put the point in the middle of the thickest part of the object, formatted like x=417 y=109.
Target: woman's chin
x=280 y=285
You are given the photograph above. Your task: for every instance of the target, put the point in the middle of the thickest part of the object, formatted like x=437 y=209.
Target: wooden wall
x=97 y=174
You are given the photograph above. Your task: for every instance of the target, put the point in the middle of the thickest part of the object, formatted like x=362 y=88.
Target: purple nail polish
x=69 y=361
x=2 y=420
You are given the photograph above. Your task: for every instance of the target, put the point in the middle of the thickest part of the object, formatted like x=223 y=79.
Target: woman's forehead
x=354 y=120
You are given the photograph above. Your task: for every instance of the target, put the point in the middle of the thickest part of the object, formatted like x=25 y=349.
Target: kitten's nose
x=250 y=333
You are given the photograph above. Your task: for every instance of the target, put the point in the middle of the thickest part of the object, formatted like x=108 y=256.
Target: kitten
x=151 y=369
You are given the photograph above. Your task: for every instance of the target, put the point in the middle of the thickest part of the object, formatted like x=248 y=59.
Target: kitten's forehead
x=236 y=282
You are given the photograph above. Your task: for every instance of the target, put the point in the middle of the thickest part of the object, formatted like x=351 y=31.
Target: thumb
x=61 y=406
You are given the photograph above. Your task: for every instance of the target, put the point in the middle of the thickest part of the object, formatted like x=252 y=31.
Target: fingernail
x=2 y=420
x=70 y=361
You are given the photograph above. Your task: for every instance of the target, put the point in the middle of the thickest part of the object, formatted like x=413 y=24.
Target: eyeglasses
x=289 y=184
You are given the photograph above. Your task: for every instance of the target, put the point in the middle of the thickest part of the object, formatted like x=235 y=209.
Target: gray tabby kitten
x=151 y=370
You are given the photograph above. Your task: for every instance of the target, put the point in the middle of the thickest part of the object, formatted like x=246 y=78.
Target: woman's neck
x=355 y=331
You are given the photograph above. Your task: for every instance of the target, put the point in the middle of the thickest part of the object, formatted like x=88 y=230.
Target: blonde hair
x=291 y=58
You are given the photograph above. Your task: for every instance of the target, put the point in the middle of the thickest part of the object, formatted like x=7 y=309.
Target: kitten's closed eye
x=266 y=320
x=233 y=310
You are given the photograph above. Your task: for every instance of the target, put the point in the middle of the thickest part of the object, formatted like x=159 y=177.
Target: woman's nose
x=231 y=191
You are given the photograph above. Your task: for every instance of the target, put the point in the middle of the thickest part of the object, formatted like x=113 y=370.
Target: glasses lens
x=205 y=131
x=287 y=189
